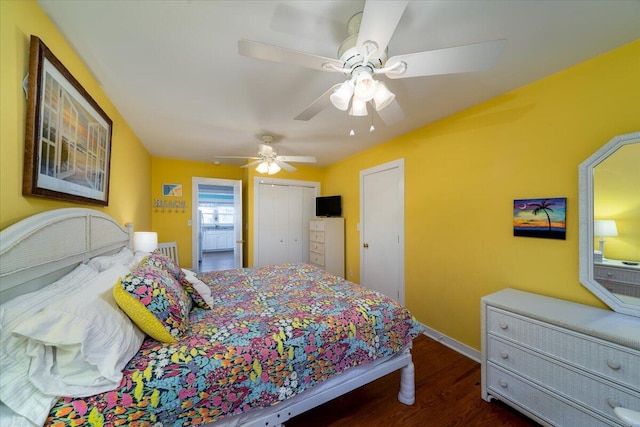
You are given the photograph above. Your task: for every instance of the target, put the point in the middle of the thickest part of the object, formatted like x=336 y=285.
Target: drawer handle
x=612 y=403
x=504 y=354
x=503 y=325
x=613 y=364
x=503 y=384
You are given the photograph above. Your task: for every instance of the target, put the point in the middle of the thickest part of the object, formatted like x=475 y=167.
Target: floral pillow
x=159 y=260
x=155 y=301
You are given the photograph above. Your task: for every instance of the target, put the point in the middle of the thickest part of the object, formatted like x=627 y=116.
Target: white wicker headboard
x=40 y=249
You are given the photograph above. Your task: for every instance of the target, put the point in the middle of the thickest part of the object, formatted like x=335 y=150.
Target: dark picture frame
x=67 y=152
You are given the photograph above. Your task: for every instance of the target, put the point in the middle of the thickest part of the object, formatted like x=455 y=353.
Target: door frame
x=257 y=181
x=399 y=164
x=237 y=226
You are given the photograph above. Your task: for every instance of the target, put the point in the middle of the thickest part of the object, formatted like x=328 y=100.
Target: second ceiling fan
x=363 y=55
x=268 y=161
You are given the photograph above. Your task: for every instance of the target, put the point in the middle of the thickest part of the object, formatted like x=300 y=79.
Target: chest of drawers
x=561 y=363
x=326 y=244
x=618 y=277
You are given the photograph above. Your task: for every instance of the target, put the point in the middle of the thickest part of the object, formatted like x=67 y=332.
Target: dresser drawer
x=316 y=236
x=316 y=258
x=549 y=407
x=608 y=360
x=617 y=274
x=591 y=391
x=316 y=247
x=316 y=225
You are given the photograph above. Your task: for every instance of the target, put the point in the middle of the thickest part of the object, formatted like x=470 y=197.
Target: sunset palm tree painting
x=545 y=218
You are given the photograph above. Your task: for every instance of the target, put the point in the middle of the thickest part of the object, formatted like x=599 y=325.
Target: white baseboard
x=461 y=348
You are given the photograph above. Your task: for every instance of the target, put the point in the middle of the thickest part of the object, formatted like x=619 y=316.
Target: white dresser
x=561 y=363
x=326 y=244
x=618 y=277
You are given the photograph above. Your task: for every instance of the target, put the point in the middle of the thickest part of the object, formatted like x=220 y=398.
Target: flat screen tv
x=329 y=206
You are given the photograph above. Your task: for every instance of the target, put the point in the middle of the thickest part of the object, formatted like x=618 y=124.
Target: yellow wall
x=463 y=173
x=171 y=225
x=174 y=225
x=130 y=161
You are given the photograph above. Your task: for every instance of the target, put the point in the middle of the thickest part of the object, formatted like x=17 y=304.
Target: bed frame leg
x=407 y=394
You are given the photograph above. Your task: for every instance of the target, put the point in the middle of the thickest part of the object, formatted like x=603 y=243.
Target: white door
x=382 y=229
x=282 y=212
x=197 y=237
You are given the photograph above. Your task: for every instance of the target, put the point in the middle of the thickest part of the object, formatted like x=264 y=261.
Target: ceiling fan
x=268 y=160
x=363 y=55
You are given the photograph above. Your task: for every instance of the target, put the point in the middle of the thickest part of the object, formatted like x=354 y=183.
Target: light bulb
x=371 y=129
x=352 y=133
x=365 y=87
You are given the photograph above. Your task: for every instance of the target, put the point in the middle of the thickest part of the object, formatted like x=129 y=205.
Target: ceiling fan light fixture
x=382 y=97
x=365 y=87
x=358 y=107
x=273 y=168
x=263 y=167
x=341 y=97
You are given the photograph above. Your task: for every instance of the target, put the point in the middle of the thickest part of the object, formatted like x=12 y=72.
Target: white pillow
x=79 y=346
x=124 y=257
x=199 y=286
x=17 y=392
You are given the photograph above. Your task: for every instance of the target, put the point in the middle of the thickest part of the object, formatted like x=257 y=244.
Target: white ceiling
x=173 y=70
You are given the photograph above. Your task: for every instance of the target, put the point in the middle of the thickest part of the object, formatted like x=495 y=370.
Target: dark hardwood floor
x=447 y=394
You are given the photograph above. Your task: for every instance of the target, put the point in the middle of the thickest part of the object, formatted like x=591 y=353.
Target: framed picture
x=68 y=136
x=172 y=190
x=545 y=218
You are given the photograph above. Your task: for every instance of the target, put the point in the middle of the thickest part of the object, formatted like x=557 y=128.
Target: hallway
x=218 y=260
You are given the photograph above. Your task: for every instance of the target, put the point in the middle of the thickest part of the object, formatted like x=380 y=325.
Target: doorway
x=382 y=229
x=216 y=224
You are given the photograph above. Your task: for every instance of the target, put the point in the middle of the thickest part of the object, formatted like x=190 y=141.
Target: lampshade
x=145 y=241
x=341 y=97
x=382 y=97
x=365 y=87
x=358 y=107
x=605 y=227
x=273 y=168
x=263 y=167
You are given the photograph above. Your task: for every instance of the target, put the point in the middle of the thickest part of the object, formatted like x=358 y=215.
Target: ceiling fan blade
x=298 y=159
x=235 y=157
x=379 y=21
x=269 y=52
x=248 y=165
x=285 y=166
x=460 y=59
x=318 y=105
x=391 y=114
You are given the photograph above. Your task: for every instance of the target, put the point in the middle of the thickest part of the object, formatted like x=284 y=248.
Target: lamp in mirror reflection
x=604 y=228
x=145 y=241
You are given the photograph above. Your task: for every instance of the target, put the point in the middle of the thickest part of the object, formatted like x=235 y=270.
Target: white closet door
x=271 y=242
x=283 y=213
x=295 y=251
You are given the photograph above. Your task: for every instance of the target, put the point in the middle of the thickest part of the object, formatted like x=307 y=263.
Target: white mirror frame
x=586 y=220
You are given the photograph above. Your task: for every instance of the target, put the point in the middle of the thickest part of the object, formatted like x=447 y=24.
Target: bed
x=262 y=345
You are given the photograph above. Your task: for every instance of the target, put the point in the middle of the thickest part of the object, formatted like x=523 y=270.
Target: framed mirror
x=609 y=223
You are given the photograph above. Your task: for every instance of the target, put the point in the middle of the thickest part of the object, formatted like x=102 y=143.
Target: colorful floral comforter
x=273 y=333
